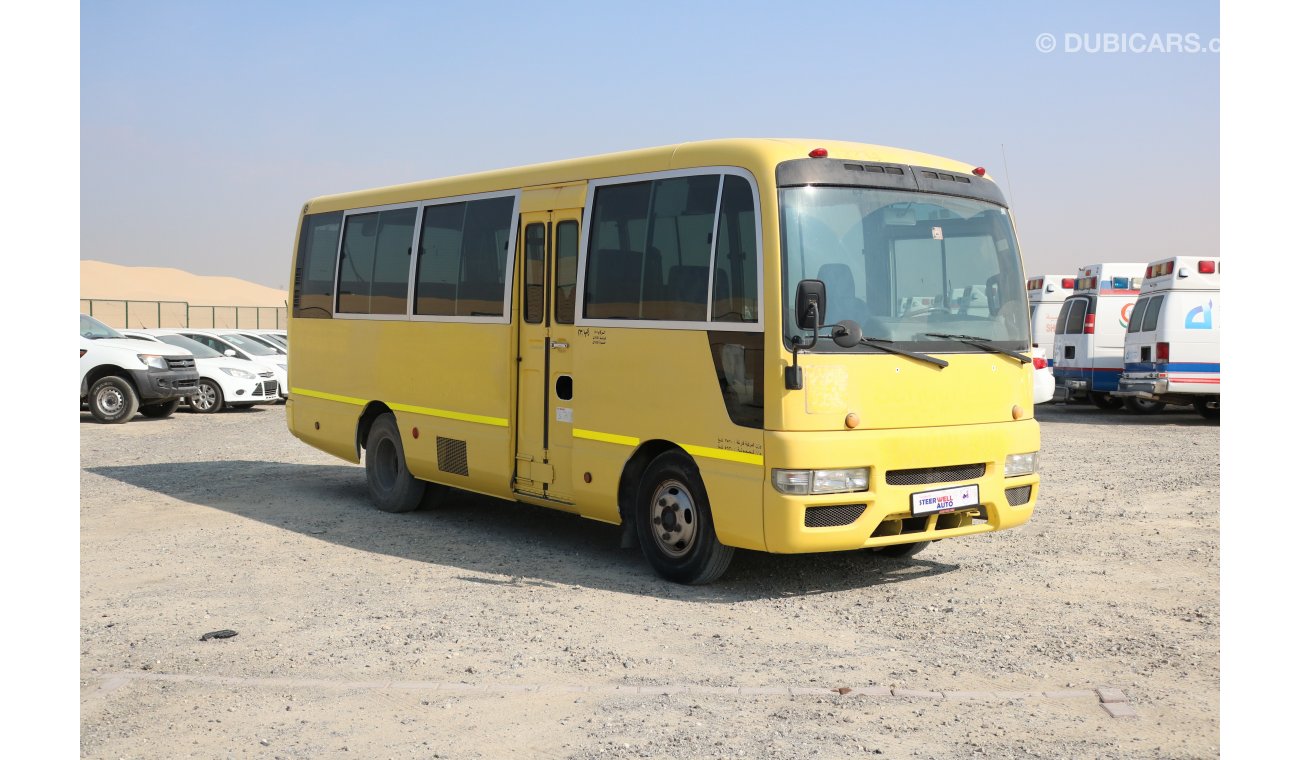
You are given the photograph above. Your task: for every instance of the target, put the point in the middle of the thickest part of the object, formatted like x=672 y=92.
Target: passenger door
x=548 y=256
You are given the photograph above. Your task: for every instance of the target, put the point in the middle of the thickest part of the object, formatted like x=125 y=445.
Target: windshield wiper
x=978 y=342
x=883 y=345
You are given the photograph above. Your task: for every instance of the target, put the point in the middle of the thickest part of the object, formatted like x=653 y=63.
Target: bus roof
x=759 y=155
x=1183 y=273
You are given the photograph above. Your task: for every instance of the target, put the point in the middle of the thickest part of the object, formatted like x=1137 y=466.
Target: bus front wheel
x=674 y=525
x=392 y=487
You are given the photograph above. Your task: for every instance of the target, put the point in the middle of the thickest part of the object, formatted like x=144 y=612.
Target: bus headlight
x=820 y=481
x=1020 y=464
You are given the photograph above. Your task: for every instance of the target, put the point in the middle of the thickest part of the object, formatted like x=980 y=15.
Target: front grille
x=268 y=388
x=452 y=456
x=1018 y=495
x=830 y=517
x=180 y=363
x=924 y=475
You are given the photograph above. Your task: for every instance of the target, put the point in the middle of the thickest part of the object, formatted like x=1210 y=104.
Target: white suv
x=229 y=342
x=120 y=376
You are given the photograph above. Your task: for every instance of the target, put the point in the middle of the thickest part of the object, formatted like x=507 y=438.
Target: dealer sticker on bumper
x=945 y=499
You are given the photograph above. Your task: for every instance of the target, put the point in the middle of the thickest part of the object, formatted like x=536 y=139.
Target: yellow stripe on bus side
x=699 y=451
x=730 y=456
x=427 y=411
x=592 y=435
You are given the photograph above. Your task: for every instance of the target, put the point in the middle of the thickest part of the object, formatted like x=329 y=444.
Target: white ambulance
x=1088 y=355
x=1047 y=292
x=1171 y=350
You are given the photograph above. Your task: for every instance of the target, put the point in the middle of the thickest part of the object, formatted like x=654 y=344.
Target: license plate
x=945 y=499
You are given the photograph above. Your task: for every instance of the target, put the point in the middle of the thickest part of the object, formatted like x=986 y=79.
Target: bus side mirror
x=810 y=304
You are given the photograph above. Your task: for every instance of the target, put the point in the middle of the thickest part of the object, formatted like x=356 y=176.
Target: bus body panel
x=1187 y=323
x=635 y=386
x=888 y=391
x=1092 y=362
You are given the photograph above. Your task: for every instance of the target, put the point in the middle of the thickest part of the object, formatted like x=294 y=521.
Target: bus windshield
x=907 y=267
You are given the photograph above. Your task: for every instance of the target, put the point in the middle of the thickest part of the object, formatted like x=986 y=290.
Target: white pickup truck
x=120 y=376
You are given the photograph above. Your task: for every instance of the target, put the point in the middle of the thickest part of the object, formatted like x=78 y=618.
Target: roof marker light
x=818 y=153
x=1205 y=267
x=1068 y=282
x=978 y=171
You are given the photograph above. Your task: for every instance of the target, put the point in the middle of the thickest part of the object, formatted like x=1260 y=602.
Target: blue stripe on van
x=1173 y=367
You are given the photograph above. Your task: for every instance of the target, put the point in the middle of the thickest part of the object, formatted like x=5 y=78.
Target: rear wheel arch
x=373 y=411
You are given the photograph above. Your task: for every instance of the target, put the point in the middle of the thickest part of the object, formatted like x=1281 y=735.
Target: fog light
x=1020 y=464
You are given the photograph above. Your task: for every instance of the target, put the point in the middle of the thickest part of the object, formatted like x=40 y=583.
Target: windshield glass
x=94 y=329
x=248 y=345
x=904 y=264
x=199 y=350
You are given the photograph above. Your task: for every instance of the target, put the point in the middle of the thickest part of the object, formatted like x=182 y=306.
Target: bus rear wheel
x=674 y=525
x=1105 y=400
x=1142 y=405
x=392 y=486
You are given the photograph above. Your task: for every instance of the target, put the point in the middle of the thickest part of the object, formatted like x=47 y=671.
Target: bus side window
x=566 y=270
x=534 y=272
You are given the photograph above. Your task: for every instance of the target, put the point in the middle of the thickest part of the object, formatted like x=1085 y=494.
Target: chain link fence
x=145 y=314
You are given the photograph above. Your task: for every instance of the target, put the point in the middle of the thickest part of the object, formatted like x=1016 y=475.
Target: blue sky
x=205 y=125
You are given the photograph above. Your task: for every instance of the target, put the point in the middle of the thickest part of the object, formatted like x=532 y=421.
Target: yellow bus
x=781 y=345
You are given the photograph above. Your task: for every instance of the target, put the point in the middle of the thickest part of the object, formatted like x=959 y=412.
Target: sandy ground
x=488 y=629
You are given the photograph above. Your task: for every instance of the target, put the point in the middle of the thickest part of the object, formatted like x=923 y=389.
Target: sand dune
x=101 y=280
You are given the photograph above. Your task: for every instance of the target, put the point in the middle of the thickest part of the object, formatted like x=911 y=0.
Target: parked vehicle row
x=1129 y=335
x=154 y=371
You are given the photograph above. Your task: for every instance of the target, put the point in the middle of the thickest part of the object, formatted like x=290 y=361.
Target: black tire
x=113 y=400
x=392 y=487
x=902 y=551
x=671 y=502
x=209 y=398
x=160 y=409
x=1204 y=409
x=1105 y=401
x=1142 y=406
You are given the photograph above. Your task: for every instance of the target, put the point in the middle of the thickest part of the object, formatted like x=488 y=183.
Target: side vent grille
x=830 y=517
x=1018 y=495
x=451 y=456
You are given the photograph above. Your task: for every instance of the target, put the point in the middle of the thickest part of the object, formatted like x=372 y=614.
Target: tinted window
x=566 y=270
x=313 y=282
x=1063 y=317
x=463 y=258
x=1152 y=315
x=249 y=346
x=199 y=350
x=735 y=272
x=374 y=267
x=1135 y=319
x=534 y=272
x=650 y=249
x=1074 y=325
x=220 y=346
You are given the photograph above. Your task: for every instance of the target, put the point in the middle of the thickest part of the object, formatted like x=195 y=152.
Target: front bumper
x=161 y=385
x=794 y=524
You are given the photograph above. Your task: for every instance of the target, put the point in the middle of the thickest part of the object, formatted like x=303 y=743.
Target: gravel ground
x=488 y=628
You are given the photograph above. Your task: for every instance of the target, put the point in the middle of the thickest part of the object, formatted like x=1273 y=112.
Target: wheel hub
x=111 y=400
x=673 y=518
